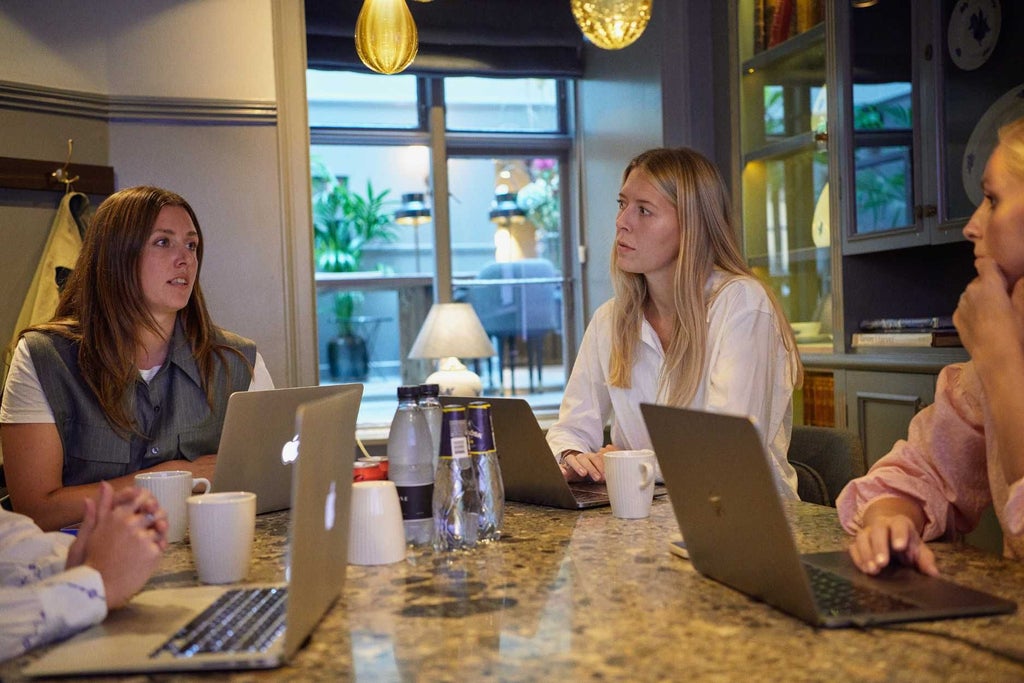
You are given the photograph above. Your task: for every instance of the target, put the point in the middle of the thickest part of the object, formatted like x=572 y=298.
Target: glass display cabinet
x=784 y=164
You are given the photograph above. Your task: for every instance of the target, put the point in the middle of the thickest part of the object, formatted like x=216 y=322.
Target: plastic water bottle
x=411 y=467
x=456 y=501
x=484 y=454
x=430 y=404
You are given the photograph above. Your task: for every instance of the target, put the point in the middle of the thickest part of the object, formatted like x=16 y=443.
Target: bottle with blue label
x=456 y=500
x=484 y=454
x=411 y=467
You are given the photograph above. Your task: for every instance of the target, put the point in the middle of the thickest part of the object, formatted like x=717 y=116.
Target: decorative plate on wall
x=973 y=32
x=983 y=139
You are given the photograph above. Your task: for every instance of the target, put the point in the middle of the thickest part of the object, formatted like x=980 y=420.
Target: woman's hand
x=891 y=531
x=990 y=314
x=578 y=466
x=122 y=536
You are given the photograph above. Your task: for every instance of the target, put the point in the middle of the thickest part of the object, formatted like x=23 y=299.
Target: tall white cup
x=221 y=530
x=630 y=476
x=376 y=534
x=170 y=489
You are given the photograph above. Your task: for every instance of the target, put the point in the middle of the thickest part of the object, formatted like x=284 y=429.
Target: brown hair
x=102 y=308
x=706 y=241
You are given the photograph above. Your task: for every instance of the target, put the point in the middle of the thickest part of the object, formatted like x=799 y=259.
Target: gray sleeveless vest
x=171 y=410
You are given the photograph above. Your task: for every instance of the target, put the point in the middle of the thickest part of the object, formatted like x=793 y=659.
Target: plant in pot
x=344 y=223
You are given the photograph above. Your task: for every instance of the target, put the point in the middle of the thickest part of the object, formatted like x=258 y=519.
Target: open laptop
x=529 y=471
x=257 y=425
x=141 y=636
x=736 y=532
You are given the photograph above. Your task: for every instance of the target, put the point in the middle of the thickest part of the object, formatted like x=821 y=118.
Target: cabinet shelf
x=783 y=147
x=792 y=52
x=799 y=255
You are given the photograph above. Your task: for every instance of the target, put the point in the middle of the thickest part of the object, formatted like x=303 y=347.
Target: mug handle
x=648 y=477
x=207 y=486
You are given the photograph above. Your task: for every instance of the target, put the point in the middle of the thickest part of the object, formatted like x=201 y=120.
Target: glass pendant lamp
x=386 y=36
x=612 y=24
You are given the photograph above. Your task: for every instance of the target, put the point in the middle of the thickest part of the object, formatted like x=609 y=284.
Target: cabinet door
x=881 y=141
x=880 y=405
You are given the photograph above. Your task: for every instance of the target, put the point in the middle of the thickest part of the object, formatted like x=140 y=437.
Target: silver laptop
x=163 y=630
x=736 y=532
x=251 y=455
x=529 y=471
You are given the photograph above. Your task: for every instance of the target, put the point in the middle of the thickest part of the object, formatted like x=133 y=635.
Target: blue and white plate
x=973 y=32
x=1008 y=107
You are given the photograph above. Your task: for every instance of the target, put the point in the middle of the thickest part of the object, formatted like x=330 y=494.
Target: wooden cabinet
x=879 y=405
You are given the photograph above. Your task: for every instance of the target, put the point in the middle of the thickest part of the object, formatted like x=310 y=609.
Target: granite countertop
x=585 y=596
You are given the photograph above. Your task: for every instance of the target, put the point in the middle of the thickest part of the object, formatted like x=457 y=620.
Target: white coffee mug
x=376 y=534
x=170 y=489
x=221 y=530
x=630 y=476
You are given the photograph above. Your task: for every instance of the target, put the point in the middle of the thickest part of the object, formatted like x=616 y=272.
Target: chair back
x=825 y=459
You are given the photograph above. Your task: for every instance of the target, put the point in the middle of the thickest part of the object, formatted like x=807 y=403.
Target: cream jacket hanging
x=61 y=251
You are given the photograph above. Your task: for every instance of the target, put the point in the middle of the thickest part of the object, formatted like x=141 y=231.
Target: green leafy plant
x=344 y=224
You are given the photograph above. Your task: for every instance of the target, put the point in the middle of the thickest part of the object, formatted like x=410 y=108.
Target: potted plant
x=344 y=223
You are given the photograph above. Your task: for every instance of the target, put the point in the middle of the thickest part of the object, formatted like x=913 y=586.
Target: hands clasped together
x=122 y=536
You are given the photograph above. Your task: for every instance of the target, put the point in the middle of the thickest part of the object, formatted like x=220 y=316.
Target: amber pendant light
x=386 y=36
x=612 y=24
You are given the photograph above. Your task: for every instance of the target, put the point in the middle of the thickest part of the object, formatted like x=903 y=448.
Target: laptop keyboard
x=595 y=493
x=837 y=595
x=241 y=620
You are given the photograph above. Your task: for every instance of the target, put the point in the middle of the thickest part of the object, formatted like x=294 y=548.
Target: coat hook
x=61 y=174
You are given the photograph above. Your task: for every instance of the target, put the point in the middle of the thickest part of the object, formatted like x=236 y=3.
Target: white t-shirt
x=25 y=402
x=747 y=371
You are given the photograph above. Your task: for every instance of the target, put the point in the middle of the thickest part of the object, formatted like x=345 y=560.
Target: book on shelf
x=938 y=322
x=944 y=337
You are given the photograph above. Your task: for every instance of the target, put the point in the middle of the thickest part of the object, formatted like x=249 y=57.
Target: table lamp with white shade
x=450 y=332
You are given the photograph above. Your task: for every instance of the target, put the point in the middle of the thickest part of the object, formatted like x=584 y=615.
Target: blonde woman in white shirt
x=690 y=325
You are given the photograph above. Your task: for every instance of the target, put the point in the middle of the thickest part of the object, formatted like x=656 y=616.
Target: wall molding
x=129 y=109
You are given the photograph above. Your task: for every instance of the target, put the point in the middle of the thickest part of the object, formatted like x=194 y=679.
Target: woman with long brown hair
x=130 y=374
x=689 y=325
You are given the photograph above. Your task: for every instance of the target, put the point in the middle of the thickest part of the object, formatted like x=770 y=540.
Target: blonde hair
x=1011 y=137
x=706 y=241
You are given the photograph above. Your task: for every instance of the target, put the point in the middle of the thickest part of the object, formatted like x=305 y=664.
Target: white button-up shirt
x=39 y=600
x=747 y=371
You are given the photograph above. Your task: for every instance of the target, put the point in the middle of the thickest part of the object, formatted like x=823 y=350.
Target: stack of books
x=937 y=331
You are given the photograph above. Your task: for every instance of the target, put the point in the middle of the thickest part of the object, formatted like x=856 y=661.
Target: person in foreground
x=689 y=324
x=965 y=450
x=130 y=374
x=54 y=584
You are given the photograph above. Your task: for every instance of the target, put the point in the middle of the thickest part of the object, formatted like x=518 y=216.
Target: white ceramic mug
x=221 y=530
x=171 y=489
x=376 y=534
x=630 y=476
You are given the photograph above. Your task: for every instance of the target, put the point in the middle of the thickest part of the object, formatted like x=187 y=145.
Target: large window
x=379 y=254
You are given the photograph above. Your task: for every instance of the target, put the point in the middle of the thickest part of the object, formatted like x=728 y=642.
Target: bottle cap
x=408 y=391
x=430 y=390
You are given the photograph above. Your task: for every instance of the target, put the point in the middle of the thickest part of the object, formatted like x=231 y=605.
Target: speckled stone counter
x=568 y=596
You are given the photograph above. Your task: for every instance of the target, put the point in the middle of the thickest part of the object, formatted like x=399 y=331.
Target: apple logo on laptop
x=329 y=505
x=290 y=451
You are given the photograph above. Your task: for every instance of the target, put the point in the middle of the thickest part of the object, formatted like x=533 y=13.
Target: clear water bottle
x=430 y=404
x=484 y=454
x=456 y=501
x=411 y=467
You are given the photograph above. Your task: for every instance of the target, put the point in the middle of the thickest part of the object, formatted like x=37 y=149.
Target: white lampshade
x=452 y=331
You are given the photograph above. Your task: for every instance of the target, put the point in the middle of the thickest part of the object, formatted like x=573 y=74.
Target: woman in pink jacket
x=966 y=450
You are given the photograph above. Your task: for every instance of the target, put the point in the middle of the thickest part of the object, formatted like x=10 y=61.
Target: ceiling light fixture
x=612 y=24
x=386 y=36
